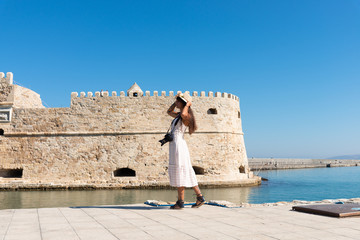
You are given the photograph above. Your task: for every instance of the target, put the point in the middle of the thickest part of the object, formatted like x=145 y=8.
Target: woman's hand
x=188 y=104
x=171 y=112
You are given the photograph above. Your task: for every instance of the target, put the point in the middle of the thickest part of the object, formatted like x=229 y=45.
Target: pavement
x=139 y=221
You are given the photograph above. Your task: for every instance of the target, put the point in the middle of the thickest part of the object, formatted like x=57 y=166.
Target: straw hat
x=184 y=96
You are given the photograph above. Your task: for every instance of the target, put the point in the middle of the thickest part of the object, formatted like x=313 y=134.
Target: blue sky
x=295 y=65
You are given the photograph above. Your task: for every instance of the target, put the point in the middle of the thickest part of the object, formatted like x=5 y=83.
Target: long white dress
x=181 y=172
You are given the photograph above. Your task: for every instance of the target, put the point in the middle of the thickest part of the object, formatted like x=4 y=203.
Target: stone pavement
x=140 y=221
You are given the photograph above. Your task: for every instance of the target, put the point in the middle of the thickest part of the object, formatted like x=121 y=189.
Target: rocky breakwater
x=257 y=164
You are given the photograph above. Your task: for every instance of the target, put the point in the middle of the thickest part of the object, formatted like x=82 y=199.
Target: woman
x=181 y=172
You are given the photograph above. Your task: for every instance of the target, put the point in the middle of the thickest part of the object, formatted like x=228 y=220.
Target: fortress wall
x=6 y=87
x=128 y=114
x=93 y=159
x=26 y=98
x=85 y=143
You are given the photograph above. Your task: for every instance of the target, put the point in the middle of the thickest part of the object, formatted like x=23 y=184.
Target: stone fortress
x=111 y=141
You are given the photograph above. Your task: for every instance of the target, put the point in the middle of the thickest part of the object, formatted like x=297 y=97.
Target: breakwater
x=257 y=164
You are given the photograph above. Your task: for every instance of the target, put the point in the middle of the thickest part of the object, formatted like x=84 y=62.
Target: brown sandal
x=200 y=200
x=178 y=205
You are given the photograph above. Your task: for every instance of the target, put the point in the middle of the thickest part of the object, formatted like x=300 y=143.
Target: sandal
x=178 y=205
x=200 y=200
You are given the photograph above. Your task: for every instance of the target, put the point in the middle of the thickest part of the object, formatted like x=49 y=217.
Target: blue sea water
x=307 y=184
x=283 y=185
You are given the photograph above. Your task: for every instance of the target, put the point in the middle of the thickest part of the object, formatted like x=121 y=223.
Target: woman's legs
x=181 y=193
x=197 y=190
x=180 y=202
x=200 y=200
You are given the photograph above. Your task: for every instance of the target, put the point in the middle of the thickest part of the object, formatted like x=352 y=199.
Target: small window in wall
x=212 y=111
x=135 y=94
x=11 y=173
x=198 y=170
x=124 y=172
x=242 y=169
x=1 y=131
x=239 y=114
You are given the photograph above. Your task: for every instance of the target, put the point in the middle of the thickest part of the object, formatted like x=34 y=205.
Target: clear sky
x=294 y=64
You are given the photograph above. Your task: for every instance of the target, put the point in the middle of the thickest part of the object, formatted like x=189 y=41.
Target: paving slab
x=139 y=221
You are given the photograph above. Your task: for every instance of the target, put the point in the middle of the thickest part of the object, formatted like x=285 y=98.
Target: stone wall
x=84 y=145
x=6 y=87
x=26 y=98
x=258 y=164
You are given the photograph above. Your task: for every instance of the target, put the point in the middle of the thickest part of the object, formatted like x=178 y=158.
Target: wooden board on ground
x=332 y=210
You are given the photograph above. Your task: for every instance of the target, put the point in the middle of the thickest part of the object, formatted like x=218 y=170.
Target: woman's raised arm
x=171 y=112
x=185 y=116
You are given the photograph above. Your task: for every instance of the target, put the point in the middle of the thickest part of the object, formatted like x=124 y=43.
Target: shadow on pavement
x=125 y=207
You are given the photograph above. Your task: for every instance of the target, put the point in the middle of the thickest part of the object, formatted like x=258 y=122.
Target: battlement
x=99 y=94
x=8 y=77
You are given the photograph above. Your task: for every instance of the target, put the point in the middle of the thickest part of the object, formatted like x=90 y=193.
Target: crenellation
x=2 y=75
x=187 y=92
x=210 y=94
x=9 y=78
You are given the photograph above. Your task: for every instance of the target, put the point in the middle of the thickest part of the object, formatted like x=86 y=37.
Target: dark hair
x=192 y=121
x=192 y=124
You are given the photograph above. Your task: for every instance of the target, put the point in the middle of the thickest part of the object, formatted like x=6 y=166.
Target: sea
x=311 y=184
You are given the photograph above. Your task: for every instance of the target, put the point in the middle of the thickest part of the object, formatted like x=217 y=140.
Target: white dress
x=181 y=172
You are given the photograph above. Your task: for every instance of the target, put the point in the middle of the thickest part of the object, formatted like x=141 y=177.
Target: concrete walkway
x=144 y=222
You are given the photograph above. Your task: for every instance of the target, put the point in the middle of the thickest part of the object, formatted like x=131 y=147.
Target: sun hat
x=184 y=96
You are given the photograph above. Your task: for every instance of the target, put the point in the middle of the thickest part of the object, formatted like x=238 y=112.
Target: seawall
x=257 y=164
